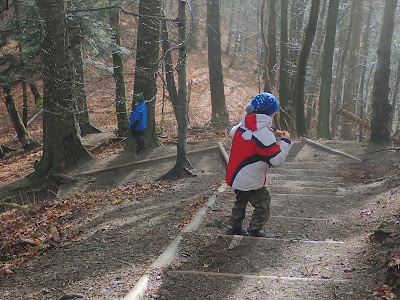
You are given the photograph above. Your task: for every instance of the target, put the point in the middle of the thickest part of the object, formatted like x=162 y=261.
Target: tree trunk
x=238 y=36
x=24 y=104
x=26 y=141
x=169 y=69
x=147 y=52
x=3 y=6
x=195 y=19
x=368 y=90
x=272 y=42
x=315 y=66
x=178 y=98
x=353 y=74
x=297 y=9
x=246 y=32
x=21 y=57
x=284 y=91
x=36 y=94
x=266 y=79
x=361 y=98
x=380 y=105
x=62 y=146
x=182 y=163
x=78 y=79
x=326 y=71
x=394 y=97
x=220 y=116
x=364 y=54
x=298 y=91
x=231 y=29
x=118 y=72
x=339 y=79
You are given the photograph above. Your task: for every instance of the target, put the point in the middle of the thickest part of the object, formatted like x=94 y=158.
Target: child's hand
x=284 y=134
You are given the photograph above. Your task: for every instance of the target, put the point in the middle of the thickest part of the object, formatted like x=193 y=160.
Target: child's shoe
x=259 y=233
x=230 y=230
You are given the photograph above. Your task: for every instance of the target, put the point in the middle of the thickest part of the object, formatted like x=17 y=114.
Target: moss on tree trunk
x=23 y=135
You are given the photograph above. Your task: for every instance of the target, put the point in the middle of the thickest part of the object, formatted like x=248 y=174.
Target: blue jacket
x=139 y=113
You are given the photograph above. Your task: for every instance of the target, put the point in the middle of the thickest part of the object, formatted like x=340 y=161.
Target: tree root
x=22 y=209
x=177 y=173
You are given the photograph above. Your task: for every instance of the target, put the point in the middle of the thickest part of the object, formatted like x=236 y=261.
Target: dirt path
x=115 y=244
x=319 y=253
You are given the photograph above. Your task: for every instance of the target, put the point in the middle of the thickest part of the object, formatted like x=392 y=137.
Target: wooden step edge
x=309 y=177
x=272 y=186
x=308 y=195
x=238 y=238
x=273 y=277
x=301 y=218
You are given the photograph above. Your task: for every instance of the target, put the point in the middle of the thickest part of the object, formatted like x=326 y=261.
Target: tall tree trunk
x=238 y=36
x=23 y=135
x=62 y=146
x=315 y=65
x=394 y=97
x=339 y=78
x=21 y=56
x=297 y=10
x=3 y=5
x=118 y=72
x=178 y=98
x=169 y=69
x=353 y=74
x=242 y=50
x=231 y=29
x=24 y=104
x=266 y=79
x=381 y=108
x=220 y=116
x=195 y=19
x=78 y=79
x=368 y=90
x=361 y=99
x=326 y=71
x=272 y=42
x=148 y=37
x=286 y=121
x=298 y=91
x=364 y=54
x=36 y=94
x=182 y=162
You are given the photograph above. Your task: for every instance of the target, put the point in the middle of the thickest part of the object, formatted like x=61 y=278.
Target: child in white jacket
x=254 y=150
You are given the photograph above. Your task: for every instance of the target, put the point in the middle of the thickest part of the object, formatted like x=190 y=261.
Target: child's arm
x=134 y=117
x=274 y=153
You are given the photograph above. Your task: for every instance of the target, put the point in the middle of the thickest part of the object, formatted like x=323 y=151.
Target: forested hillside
x=323 y=62
x=70 y=71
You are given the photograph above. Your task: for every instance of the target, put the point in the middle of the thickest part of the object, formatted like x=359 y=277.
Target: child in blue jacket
x=138 y=122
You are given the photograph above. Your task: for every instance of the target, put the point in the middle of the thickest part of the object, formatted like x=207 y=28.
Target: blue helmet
x=264 y=103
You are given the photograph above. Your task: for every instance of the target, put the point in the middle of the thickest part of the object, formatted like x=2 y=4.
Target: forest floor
x=97 y=237
x=113 y=225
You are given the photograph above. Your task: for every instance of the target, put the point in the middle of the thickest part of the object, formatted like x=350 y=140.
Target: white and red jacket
x=254 y=150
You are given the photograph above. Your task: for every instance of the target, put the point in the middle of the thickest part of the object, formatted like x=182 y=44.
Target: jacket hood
x=251 y=123
x=255 y=122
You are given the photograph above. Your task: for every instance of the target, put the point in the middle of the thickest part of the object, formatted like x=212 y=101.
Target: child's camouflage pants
x=260 y=199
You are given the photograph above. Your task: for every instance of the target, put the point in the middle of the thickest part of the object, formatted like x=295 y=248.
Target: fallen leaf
x=117 y=201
